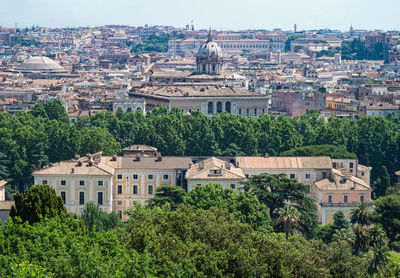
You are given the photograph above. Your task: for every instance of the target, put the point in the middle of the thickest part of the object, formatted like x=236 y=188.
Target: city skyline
x=221 y=15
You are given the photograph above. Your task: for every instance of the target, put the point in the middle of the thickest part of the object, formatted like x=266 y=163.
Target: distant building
x=381 y=109
x=297 y=103
x=209 y=89
x=39 y=67
x=230 y=44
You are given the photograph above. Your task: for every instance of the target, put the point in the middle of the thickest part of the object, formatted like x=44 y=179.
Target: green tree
x=97 y=139
x=384 y=182
x=38 y=202
x=360 y=238
x=377 y=236
x=25 y=270
x=360 y=215
x=174 y=195
x=346 y=235
x=93 y=217
x=387 y=213
x=244 y=206
x=339 y=221
x=52 y=109
x=275 y=190
x=378 y=260
x=97 y=219
x=64 y=247
x=320 y=150
x=288 y=218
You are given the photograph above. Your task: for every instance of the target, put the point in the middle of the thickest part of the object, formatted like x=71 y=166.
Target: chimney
x=72 y=170
x=114 y=157
x=138 y=157
x=190 y=164
x=266 y=155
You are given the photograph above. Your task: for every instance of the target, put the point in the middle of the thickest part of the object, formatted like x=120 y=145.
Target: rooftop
x=319 y=162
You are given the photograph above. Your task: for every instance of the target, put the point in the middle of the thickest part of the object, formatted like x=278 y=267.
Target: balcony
x=340 y=204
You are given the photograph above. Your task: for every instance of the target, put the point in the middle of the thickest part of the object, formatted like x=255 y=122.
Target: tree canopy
x=38 y=202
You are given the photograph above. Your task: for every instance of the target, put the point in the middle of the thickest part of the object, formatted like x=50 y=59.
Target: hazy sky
x=219 y=14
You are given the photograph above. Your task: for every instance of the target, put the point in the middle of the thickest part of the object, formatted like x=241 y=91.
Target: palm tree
x=377 y=236
x=360 y=215
x=346 y=235
x=288 y=216
x=378 y=260
x=361 y=238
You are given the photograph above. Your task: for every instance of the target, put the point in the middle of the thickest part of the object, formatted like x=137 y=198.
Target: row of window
x=149 y=177
x=135 y=189
x=82 y=197
x=345 y=198
x=255 y=111
x=81 y=182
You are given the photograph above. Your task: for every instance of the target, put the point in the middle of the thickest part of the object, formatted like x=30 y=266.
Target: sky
x=217 y=14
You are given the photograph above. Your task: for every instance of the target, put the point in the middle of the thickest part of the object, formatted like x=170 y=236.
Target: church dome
x=39 y=64
x=209 y=57
x=210 y=50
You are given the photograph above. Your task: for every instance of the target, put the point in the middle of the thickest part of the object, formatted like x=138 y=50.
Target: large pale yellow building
x=115 y=183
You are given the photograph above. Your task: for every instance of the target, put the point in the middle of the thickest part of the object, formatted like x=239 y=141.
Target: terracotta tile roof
x=201 y=170
x=6 y=205
x=352 y=183
x=71 y=167
x=195 y=91
x=167 y=162
x=317 y=162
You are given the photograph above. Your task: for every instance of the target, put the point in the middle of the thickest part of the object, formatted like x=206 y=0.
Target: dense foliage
x=154 y=43
x=42 y=136
x=207 y=234
x=39 y=201
x=320 y=150
x=356 y=50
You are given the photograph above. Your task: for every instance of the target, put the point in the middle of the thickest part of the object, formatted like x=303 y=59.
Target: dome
x=209 y=57
x=39 y=64
x=210 y=50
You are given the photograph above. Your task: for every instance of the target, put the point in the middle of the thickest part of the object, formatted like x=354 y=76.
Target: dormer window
x=215 y=172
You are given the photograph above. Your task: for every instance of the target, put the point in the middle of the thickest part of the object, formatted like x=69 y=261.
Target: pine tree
x=340 y=221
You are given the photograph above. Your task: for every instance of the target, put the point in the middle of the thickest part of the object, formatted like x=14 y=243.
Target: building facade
x=116 y=183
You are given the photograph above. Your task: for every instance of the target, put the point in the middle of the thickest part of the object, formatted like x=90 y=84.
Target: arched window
x=128 y=110
x=210 y=109
x=228 y=107
x=219 y=107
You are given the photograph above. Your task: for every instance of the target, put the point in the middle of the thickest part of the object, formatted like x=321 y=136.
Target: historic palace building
x=115 y=183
